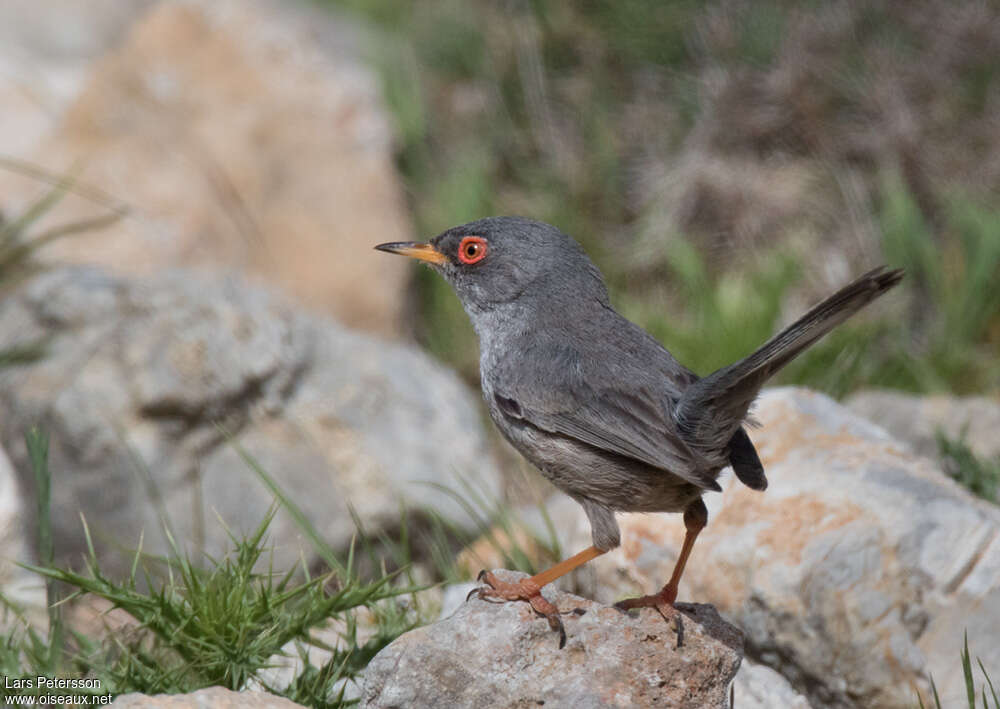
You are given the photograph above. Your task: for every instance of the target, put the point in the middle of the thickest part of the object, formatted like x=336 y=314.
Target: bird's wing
x=607 y=402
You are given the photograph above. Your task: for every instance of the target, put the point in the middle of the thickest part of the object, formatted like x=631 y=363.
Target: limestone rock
x=216 y=697
x=503 y=655
x=142 y=378
x=760 y=687
x=241 y=134
x=854 y=575
x=916 y=420
x=454 y=597
x=19 y=586
x=46 y=50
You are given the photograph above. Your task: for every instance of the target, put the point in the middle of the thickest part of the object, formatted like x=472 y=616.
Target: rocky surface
x=760 y=687
x=216 y=697
x=19 y=586
x=141 y=378
x=503 y=655
x=854 y=575
x=241 y=134
x=917 y=420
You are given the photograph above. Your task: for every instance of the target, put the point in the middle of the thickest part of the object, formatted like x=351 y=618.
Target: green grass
x=708 y=320
x=218 y=622
x=979 y=475
x=21 y=238
x=222 y=621
x=989 y=697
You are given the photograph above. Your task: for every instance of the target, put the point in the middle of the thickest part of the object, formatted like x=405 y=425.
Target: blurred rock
x=242 y=135
x=218 y=697
x=95 y=617
x=46 y=49
x=488 y=552
x=19 y=586
x=760 y=687
x=916 y=420
x=454 y=597
x=140 y=379
x=503 y=655
x=287 y=664
x=854 y=575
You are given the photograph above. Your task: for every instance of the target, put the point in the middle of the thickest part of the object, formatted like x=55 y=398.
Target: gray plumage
x=596 y=403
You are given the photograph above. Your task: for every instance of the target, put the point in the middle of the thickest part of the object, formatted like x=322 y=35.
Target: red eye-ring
x=472 y=249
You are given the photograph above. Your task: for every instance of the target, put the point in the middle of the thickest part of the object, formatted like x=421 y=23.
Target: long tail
x=711 y=411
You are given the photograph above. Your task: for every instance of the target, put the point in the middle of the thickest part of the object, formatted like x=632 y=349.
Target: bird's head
x=498 y=260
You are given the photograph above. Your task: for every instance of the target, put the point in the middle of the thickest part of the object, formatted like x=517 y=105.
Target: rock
x=854 y=575
x=916 y=420
x=454 y=597
x=20 y=587
x=46 y=49
x=141 y=379
x=488 y=552
x=287 y=665
x=241 y=134
x=503 y=655
x=216 y=697
x=760 y=687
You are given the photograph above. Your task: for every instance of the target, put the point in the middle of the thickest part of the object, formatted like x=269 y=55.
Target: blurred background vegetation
x=725 y=164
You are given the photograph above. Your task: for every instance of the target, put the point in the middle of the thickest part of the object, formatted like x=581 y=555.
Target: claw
x=544 y=610
x=664 y=605
x=497 y=591
x=482 y=577
x=555 y=622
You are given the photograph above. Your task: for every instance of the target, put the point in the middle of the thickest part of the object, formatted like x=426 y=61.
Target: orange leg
x=695 y=519
x=530 y=589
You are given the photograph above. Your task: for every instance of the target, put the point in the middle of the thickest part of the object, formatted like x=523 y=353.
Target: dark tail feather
x=714 y=407
x=745 y=461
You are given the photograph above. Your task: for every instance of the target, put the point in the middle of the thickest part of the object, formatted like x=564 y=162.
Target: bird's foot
x=663 y=602
x=523 y=590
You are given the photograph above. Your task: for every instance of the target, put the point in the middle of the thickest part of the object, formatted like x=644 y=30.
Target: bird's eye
x=472 y=249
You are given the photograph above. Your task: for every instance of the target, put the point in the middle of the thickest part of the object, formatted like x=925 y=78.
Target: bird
x=597 y=404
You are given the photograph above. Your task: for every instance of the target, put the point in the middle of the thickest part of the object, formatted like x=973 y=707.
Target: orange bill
x=423 y=252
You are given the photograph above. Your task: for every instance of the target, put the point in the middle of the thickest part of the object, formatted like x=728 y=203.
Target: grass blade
x=322 y=548
x=970 y=687
x=37 y=443
x=989 y=682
